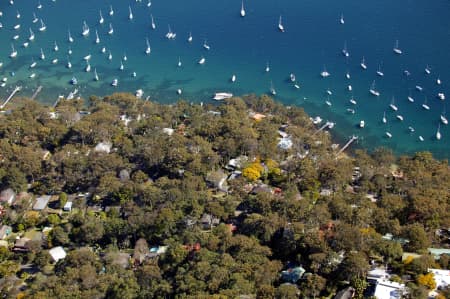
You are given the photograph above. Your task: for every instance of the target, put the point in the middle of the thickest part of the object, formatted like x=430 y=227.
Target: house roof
x=437 y=252
x=41 y=202
x=5 y=230
x=441 y=277
x=7 y=195
x=57 y=253
x=346 y=293
x=386 y=289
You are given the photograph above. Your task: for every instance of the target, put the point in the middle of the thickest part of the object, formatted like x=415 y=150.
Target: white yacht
x=427 y=70
x=121 y=66
x=242 y=9
x=130 y=13
x=179 y=91
x=87 y=57
x=328 y=101
x=39 y=6
x=379 y=72
x=421 y=138
x=397 y=49
x=35 y=19
x=33 y=64
x=125 y=58
x=69 y=51
x=139 y=93
x=438 y=132
x=55 y=61
x=425 y=105
x=13 y=53
x=280 y=25
x=441 y=96
x=349 y=87
x=32 y=75
x=443 y=118
x=347 y=75
x=111 y=29
x=399 y=117
x=233 y=78
x=345 y=51
x=411 y=129
x=410 y=98
x=111 y=11
x=148 y=49
x=438 y=81
x=16 y=27
x=43 y=26
x=341 y=19
x=353 y=101
x=179 y=62
x=419 y=88
x=292 y=77
x=109 y=56
x=25 y=44
x=153 y=22
x=56 y=48
x=70 y=37
x=190 y=38
x=206 y=46
x=362 y=124
x=103 y=50
x=170 y=34
x=115 y=82
x=373 y=91
x=31 y=37
x=392 y=104
x=202 y=60
x=97 y=38
x=324 y=73
x=88 y=67
x=85 y=31
x=42 y=55
x=388 y=134
x=267 y=67
x=218 y=96
x=95 y=75
x=384 y=120
x=272 y=89
x=363 y=64
x=101 y=20
x=69 y=64
x=149 y=3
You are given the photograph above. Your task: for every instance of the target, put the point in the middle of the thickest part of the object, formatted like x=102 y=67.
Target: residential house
x=57 y=253
x=292 y=274
x=209 y=221
x=7 y=196
x=21 y=245
x=157 y=251
x=103 y=147
x=68 y=206
x=385 y=289
x=218 y=179
x=441 y=277
x=437 y=252
x=347 y=293
x=41 y=202
x=5 y=231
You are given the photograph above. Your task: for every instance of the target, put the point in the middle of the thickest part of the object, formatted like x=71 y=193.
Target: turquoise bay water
x=314 y=38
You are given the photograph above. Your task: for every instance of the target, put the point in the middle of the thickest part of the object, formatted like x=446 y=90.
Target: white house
x=385 y=289
x=57 y=253
x=441 y=277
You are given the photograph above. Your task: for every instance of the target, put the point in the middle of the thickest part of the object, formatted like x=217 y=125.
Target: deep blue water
x=313 y=40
